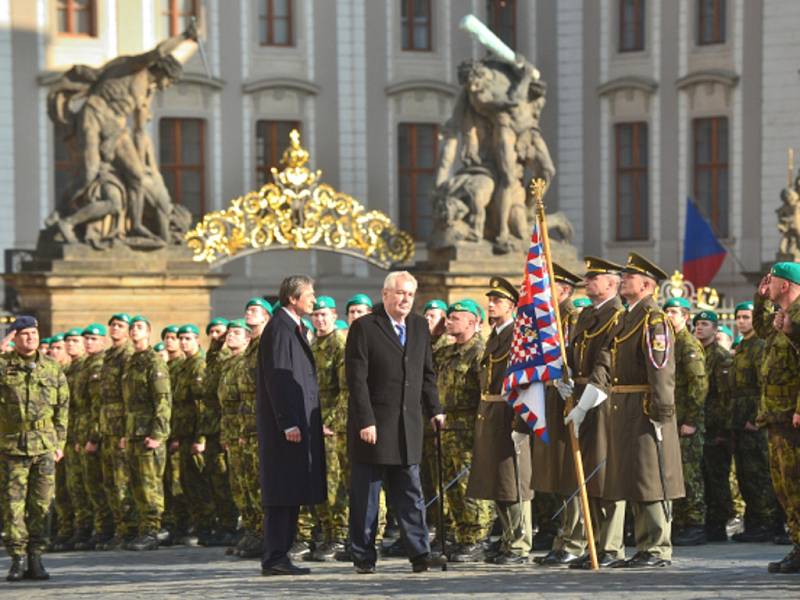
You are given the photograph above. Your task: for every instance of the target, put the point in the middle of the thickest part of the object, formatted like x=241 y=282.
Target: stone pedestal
x=68 y=286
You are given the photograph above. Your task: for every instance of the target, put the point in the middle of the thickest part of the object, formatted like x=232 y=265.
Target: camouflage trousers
x=94 y=496
x=65 y=511
x=784 y=463
x=196 y=489
x=690 y=511
x=147 y=483
x=216 y=473
x=116 y=483
x=27 y=484
x=333 y=514
x=176 y=508
x=241 y=494
x=252 y=479
x=716 y=473
x=751 y=453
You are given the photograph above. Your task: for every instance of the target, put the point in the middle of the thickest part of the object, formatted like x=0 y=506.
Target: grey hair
x=392 y=278
x=292 y=287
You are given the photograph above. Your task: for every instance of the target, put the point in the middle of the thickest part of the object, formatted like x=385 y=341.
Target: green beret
x=214 y=322
x=95 y=329
x=307 y=322
x=59 y=337
x=464 y=306
x=169 y=329
x=159 y=347
x=44 y=341
x=747 y=305
x=436 y=304
x=258 y=301
x=679 y=302
x=124 y=317
x=189 y=328
x=359 y=299
x=705 y=315
x=581 y=302
x=140 y=318
x=737 y=340
x=324 y=302
x=238 y=324
x=341 y=325
x=790 y=271
x=275 y=306
x=726 y=330
x=74 y=332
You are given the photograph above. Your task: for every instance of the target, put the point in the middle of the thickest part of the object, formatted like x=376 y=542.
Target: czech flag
x=702 y=253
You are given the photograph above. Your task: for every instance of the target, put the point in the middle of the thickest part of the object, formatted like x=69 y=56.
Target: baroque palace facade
x=649 y=102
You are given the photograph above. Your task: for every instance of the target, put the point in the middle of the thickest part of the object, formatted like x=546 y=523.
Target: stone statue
x=789 y=221
x=494 y=135
x=102 y=115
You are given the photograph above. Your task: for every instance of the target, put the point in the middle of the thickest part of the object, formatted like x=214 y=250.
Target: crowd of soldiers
x=145 y=446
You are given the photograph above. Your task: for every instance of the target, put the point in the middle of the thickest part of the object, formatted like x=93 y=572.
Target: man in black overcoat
x=393 y=395
x=290 y=443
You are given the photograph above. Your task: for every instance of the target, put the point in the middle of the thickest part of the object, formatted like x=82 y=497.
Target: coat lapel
x=385 y=325
x=297 y=332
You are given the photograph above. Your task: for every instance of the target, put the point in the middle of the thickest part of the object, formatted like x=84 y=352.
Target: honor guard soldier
x=34 y=403
x=501 y=466
x=691 y=389
x=358 y=306
x=636 y=374
x=435 y=313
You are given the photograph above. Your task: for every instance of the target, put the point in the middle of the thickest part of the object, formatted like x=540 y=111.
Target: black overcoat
x=391 y=386
x=292 y=474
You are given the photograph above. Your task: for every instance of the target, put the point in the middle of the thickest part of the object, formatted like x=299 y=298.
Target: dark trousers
x=280 y=529
x=404 y=493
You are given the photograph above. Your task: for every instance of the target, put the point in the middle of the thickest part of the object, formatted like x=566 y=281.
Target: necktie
x=401 y=333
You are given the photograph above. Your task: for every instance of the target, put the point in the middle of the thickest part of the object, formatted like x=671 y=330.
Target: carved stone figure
x=102 y=114
x=789 y=221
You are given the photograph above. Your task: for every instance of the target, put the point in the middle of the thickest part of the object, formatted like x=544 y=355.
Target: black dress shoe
x=604 y=561
x=494 y=550
x=509 y=558
x=17 y=570
x=364 y=568
x=422 y=563
x=36 y=569
x=645 y=560
x=556 y=558
x=690 y=536
x=284 y=568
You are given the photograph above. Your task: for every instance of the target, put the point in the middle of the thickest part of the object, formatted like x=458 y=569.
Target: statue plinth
x=73 y=285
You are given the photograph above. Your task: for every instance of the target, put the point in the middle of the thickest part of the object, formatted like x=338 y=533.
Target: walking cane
x=442 y=532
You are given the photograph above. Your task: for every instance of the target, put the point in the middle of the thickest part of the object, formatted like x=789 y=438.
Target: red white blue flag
x=703 y=255
x=535 y=352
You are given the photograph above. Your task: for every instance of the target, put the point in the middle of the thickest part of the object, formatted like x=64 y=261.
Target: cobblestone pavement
x=714 y=571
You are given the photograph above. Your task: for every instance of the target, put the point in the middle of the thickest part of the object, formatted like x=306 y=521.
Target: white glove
x=565 y=388
x=590 y=398
x=658 y=426
x=519 y=438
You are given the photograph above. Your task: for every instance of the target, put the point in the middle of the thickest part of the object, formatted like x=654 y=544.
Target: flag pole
x=537 y=188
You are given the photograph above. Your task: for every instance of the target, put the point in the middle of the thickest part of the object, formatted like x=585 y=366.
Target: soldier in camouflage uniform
x=188 y=400
x=217 y=467
x=691 y=389
x=108 y=429
x=458 y=379
x=775 y=319
x=34 y=403
x=717 y=449
x=750 y=449
x=58 y=350
x=147 y=399
x=73 y=515
x=358 y=306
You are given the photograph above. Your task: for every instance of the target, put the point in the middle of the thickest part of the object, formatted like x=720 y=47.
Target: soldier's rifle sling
x=449 y=484
x=578 y=490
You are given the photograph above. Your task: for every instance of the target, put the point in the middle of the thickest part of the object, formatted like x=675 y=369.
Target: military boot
x=756 y=534
x=36 y=569
x=694 y=535
x=17 y=570
x=146 y=541
x=788 y=564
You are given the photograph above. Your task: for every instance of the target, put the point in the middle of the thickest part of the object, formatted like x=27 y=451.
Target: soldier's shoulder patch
x=659 y=342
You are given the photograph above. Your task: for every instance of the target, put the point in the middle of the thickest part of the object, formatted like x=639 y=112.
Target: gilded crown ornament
x=296 y=211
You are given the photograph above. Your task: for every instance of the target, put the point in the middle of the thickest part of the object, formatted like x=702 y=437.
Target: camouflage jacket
x=691 y=381
x=458 y=379
x=229 y=399
x=71 y=373
x=107 y=408
x=718 y=404
x=246 y=384
x=188 y=398
x=746 y=381
x=80 y=409
x=329 y=356
x=34 y=405
x=146 y=395
x=780 y=369
x=217 y=353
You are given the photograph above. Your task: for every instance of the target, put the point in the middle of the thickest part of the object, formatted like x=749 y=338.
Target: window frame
x=719 y=14
x=714 y=167
x=413 y=170
x=640 y=26
x=641 y=227
x=270 y=19
x=492 y=18
x=174 y=15
x=177 y=168
x=407 y=36
x=275 y=143
x=70 y=9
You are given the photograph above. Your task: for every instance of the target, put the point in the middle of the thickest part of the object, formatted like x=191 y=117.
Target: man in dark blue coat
x=392 y=390
x=291 y=450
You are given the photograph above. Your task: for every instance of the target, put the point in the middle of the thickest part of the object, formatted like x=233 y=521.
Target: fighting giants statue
x=789 y=221
x=494 y=133
x=102 y=114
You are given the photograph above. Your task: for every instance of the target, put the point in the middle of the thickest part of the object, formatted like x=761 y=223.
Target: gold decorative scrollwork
x=298 y=212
